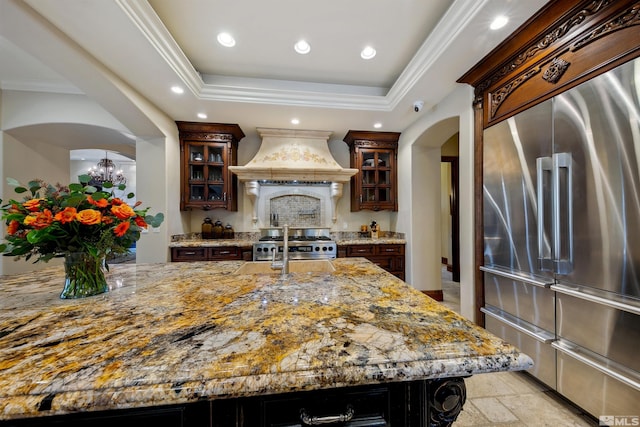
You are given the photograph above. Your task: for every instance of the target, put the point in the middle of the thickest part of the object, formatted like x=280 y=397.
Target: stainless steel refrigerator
x=562 y=239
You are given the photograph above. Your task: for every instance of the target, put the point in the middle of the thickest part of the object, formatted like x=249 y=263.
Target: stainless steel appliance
x=562 y=239
x=304 y=243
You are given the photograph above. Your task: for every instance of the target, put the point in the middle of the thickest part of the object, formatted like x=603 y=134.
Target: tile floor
x=510 y=398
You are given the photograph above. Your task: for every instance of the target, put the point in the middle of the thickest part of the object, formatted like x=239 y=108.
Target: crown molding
x=279 y=92
x=39 y=86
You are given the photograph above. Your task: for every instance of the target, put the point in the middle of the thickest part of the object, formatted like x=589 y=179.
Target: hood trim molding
x=287 y=155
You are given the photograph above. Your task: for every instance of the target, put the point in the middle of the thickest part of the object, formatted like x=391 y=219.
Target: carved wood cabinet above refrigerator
x=206 y=152
x=375 y=155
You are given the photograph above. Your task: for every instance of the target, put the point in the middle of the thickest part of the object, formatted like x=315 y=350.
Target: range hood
x=289 y=155
x=292 y=156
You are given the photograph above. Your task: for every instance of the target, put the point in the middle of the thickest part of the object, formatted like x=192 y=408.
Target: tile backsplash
x=297 y=210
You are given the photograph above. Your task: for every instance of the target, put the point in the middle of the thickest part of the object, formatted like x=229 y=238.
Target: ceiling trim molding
x=39 y=86
x=446 y=31
x=319 y=95
x=148 y=22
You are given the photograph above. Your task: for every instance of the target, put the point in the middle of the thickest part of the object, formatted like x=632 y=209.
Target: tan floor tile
x=522 y=382
x=470 y=416
x=487 y=385
x=494 y=410
x=539 y=410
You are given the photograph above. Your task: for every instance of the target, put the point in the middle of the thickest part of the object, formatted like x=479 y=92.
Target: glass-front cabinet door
x=207 y=150
x=374 y=154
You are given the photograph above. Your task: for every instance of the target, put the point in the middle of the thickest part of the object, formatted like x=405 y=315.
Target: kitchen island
x=200 y=344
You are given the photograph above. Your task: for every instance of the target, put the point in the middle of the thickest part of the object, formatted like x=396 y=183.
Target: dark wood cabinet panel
x=216 y=253
x=563 y=45
x=387 y=256
x=375 y=155
x=206 y=152
x=188 y=254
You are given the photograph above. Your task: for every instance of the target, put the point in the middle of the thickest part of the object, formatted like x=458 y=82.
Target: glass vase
x=84 y=276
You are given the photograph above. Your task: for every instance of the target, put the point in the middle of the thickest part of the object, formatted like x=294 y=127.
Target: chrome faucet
x=283 y=265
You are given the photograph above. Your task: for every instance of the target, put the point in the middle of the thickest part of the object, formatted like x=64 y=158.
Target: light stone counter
x=183 y=332
x=246 y=240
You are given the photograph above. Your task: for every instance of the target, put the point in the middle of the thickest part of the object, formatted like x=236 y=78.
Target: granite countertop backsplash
x=247 y=239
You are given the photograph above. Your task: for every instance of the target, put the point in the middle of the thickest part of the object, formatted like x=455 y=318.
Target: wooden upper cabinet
x=564 y=44
x=206 y=152
x=375 y=155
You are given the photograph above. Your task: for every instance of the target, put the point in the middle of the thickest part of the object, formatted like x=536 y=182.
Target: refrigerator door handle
x=607 y=367
x=519 y=277
x=618 y=303
x=520 y=325
x=544 y=166
x=562 y=214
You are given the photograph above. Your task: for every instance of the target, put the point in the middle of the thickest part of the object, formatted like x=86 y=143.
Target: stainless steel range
x=304 y=243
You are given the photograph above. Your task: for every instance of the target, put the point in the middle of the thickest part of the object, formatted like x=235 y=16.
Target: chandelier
x=106 y=171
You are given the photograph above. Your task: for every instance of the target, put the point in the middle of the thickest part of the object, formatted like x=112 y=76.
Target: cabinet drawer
x=384 y=262
x=360 y=250
x=188 y=254
x=389 y=249
x=370 y=408
x=225 y=253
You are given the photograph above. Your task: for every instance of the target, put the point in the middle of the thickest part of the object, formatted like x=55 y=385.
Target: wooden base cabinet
x=388 y=256
x=216 y=253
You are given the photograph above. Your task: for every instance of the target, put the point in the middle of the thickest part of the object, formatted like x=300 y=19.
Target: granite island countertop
x=182 y=332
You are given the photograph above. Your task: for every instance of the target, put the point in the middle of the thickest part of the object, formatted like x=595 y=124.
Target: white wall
x=421 y=252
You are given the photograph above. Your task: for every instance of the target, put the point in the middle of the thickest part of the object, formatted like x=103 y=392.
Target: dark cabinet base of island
x=424 y=403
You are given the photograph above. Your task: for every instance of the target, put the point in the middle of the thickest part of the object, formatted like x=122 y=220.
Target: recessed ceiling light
x=302 y=47
x=368 y=53
x=226 y=40
x=177 y=89
x=202 y=116
x=377 y=125
x=499 y=22
x=295 y=121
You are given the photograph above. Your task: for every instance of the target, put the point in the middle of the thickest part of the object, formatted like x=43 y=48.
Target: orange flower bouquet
x=79 y=222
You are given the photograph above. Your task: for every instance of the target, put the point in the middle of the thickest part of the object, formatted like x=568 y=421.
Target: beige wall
x=25 y=161
x=157 y=178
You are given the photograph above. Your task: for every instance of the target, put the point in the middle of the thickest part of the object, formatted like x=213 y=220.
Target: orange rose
x=32 y=205
x=140 y=222
x=66 y=215
x=123 y=211
x=121 y=229
x=102 y=203
x=43 y=219
x=13 y=227
x=89 y=217
x=115 y=201
x=107 y=220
